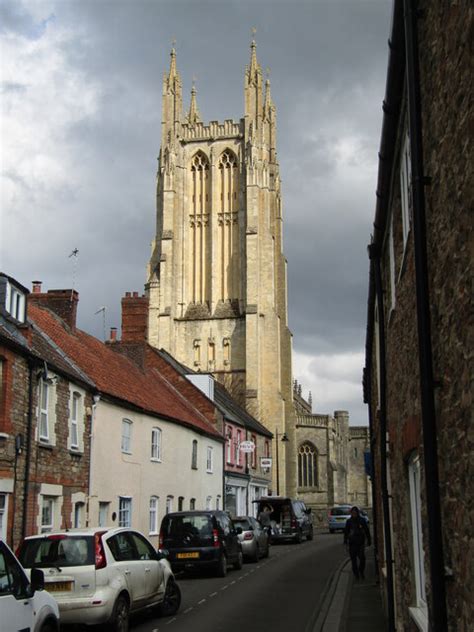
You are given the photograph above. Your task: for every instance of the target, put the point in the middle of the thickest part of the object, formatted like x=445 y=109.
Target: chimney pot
x=128 y=294
x=135 y=295
x=36 y=287
x=113 y=334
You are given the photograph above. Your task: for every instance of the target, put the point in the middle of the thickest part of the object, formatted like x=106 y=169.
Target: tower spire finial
x=253 y=54
x=172 y=72
x=193 y=115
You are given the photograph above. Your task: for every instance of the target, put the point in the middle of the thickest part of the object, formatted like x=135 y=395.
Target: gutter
x=427 y=385
x=29 y=427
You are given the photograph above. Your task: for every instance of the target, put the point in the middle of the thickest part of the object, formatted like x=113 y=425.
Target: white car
x=24 y=605
x=100 y=576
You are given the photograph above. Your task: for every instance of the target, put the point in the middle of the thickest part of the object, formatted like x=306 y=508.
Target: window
x=156 y=444
x=143 y=548
x=419 y=611
x=153 y=515
x=209 y=502
x=307 y=465
x=218 y=503
x=43 y=416
x=125 y=511
x=79 y=515
x=75 y=405
x=126 y=436
x=194 y=455
x=16 y=305
x=253 y=454
x=391 y=254
x=267 y=449
x=192 y=504
x=3 y=516
x=181 y=503
x=47 y=514
x=169 y=504
x=103 y=514
x=405 y=186
x=209 y=460
x=237 y=448
x=229 y=443
x=12 y=581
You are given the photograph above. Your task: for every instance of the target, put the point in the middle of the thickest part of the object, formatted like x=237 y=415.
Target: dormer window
x=13 y=299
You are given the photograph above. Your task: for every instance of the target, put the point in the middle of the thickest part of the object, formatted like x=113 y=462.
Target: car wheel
x=310 y=535
x=222 y=566
x=119 y=619
x=171 y=600
x=256 y=556
x=48 y=627
x=239 y=561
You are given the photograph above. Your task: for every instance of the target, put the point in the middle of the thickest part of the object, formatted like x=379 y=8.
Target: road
x=281 y=593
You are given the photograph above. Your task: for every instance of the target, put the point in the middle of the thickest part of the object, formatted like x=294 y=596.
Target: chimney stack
x=134 y=317
x=62 y=302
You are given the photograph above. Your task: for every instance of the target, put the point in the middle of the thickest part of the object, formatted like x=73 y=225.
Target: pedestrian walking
x=357 y=535
x=264 y=517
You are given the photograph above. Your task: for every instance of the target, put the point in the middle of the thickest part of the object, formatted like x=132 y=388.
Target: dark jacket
x=356 y=532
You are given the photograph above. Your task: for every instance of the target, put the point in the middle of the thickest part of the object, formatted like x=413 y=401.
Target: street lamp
x=278 y=438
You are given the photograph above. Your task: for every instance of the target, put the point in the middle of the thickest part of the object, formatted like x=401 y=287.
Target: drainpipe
x=428 y=414
x=374 y=254
x=29 y=428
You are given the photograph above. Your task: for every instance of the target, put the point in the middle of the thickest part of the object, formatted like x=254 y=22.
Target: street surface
x=281 y=593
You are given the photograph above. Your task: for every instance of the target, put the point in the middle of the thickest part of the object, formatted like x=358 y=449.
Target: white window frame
x=238 y=441
x=192 y=504
x=75 y=408
x=229 y=444
x=208 y=503
x=419 y=611
x=47 y=501
x=126 y=439
x=79 y=509
x=153 y=516
x=210 y=460
x=218 y=503
x=125 y=511
x=103 y=516
x=194 y=455
x=43 y=417
x=169 y=504
x=156 y=435
x=405 y=186
x=3 y=515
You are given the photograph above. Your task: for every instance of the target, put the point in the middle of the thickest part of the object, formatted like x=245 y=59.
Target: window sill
x=194 y=467
x=154 y=533
x=45 y=445
x=209 y=471
x=126 y=452
x=419 y=617
x=155 y=460
x=76 y=452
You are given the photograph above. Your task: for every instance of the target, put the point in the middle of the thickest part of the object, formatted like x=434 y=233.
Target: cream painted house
x=143 y=467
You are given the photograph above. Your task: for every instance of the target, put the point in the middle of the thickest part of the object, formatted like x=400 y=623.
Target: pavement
x=351 y=605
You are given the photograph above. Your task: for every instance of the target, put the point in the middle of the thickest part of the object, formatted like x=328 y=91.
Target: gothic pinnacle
x=193 y=115
x=172 y=72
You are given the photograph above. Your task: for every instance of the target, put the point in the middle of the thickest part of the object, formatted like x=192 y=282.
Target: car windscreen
x=243 y=524
x=187 y=531
x=340 y=511
x=57 y=551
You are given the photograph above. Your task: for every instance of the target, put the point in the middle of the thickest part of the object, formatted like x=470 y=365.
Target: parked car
x=100 y=576
x=201 y=540
x=24 y=604
x=339 y=515
x=254 y=539
x=290 y=519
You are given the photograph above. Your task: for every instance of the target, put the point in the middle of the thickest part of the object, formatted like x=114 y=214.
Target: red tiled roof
x=117 y=376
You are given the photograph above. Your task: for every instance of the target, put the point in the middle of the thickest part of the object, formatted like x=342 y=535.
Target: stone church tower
x=217 y=275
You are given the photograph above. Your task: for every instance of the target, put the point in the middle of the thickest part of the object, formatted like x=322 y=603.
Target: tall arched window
x=307 y=465
x=200 y=250
x=228 y=191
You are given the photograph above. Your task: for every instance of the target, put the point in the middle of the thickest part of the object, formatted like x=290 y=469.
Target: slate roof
x=117 y=376
x=223 y=400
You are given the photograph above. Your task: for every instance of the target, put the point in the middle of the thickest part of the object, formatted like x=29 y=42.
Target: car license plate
x=187 y=556
x=58 y=586
x=340 y=519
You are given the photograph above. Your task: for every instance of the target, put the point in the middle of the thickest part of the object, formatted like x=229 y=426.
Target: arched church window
x=200 y=236
x=228 y=229
x=307 y=465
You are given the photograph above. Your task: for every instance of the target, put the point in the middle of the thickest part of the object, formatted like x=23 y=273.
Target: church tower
x=217 y=275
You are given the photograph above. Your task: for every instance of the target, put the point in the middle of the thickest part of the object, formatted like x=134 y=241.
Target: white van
x=24 y=604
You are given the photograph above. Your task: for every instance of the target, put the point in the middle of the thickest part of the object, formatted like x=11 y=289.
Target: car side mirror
x=308 y=510
x=37 y=580
x=238 y=530
x=162 y=554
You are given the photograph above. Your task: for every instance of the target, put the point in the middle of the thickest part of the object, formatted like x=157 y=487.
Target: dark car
x=290 y=519
x=201 y=540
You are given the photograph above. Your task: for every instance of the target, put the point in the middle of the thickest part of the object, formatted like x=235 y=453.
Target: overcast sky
x=80 y=133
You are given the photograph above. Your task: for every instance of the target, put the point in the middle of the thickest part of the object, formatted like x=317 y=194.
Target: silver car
x=99 y=576
x=254 y=539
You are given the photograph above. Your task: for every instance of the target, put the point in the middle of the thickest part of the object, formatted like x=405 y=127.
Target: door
x=129 y=565
x=17 y=610
x=151 y=567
